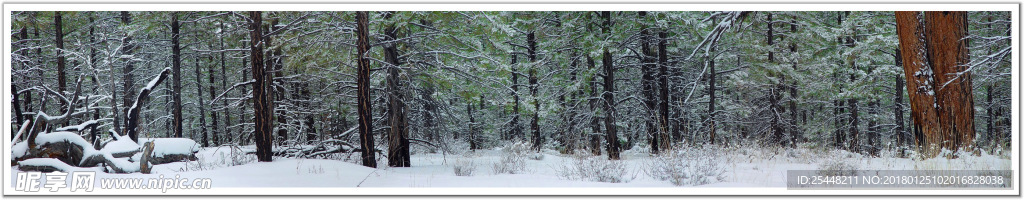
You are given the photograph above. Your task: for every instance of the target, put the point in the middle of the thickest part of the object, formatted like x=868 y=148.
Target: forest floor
x=699 y=167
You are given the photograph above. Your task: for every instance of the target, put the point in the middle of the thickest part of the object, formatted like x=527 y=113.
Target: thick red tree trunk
x=934 y=52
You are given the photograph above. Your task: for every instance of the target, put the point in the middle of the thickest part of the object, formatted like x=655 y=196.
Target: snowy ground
x=713 y=167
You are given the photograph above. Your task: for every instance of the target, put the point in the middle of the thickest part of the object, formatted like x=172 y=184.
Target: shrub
x=464 y=168
x=596 y=168
x=687 y=166
x=513 y=159
x=838 y=165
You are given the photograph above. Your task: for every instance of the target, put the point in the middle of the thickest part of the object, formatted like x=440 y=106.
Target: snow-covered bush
x=464 y=167
x=687 y=166
x=596 y=168
x=513 y=159
x=841 y=163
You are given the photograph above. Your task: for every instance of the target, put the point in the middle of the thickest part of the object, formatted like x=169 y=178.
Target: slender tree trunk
x=771 y=38
x=129 y=82
x=27 y=65
x=989 y=129
x=666 y=139
x=609 y=92
x=363 y=82
x=516 y=132
x=872 y=130
x=794 y=131
x=261 y=117
x=774 y=96
x=711 y=101
x=935 y=62
x=213 y=112
x=901 y=137
x=61 y=82
x=398 y=134
x=275 y=91
x=224 y=84
x=534 y=124
x=854 y=141
x=647 y=82
x=93 y=135
x=595 y=126
x=472 y=121
x=430 y=110
x=202 y=105
x=17 y=106
x=176 y=69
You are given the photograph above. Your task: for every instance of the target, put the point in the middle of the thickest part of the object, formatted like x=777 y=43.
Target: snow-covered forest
x=539 y=98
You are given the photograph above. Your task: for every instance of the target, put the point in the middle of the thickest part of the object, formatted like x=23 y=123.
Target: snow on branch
x=711 y=40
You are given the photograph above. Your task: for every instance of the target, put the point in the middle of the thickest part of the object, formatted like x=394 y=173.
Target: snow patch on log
x=121 y=148
x=168 y=150
x=49 y=165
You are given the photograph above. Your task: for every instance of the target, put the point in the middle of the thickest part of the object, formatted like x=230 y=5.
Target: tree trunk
x=794 y=131
x=595 y=125
x=132 y=126
x=711 y=101
x=224 y=84
x=129 y=83
x=989 y=129
x=647 y=83
x=534 y=124
x=398 y=134
x=363 y=82
x=901 y=137
x=472 y=132
x=872 y=130
x=202 y=106
x=17 y=105
x=176 y=69
x=935 y=62
x=261 y=117
x=276 y=90
x=61 y=82
x=516 y=132
x=771 y=38
x=854 y=141
x=213 y=112
x=663 y=123
x=609 y=93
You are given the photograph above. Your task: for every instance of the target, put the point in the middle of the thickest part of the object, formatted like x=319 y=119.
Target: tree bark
x=595 y=125
x=534 y=124
x=363 y=82
x=127 y=48
x=223 y=84
x=261 y=116
x=213 y=112
x=59 y=31
x=711 y=100
x=609 y=93
x=663 y=123
x=202 y=106
x=901 y=137
x=516 y=132
x=935 y=59
x=176 y=68
x=398 y=135
x=794 y=131
x=17 y=105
